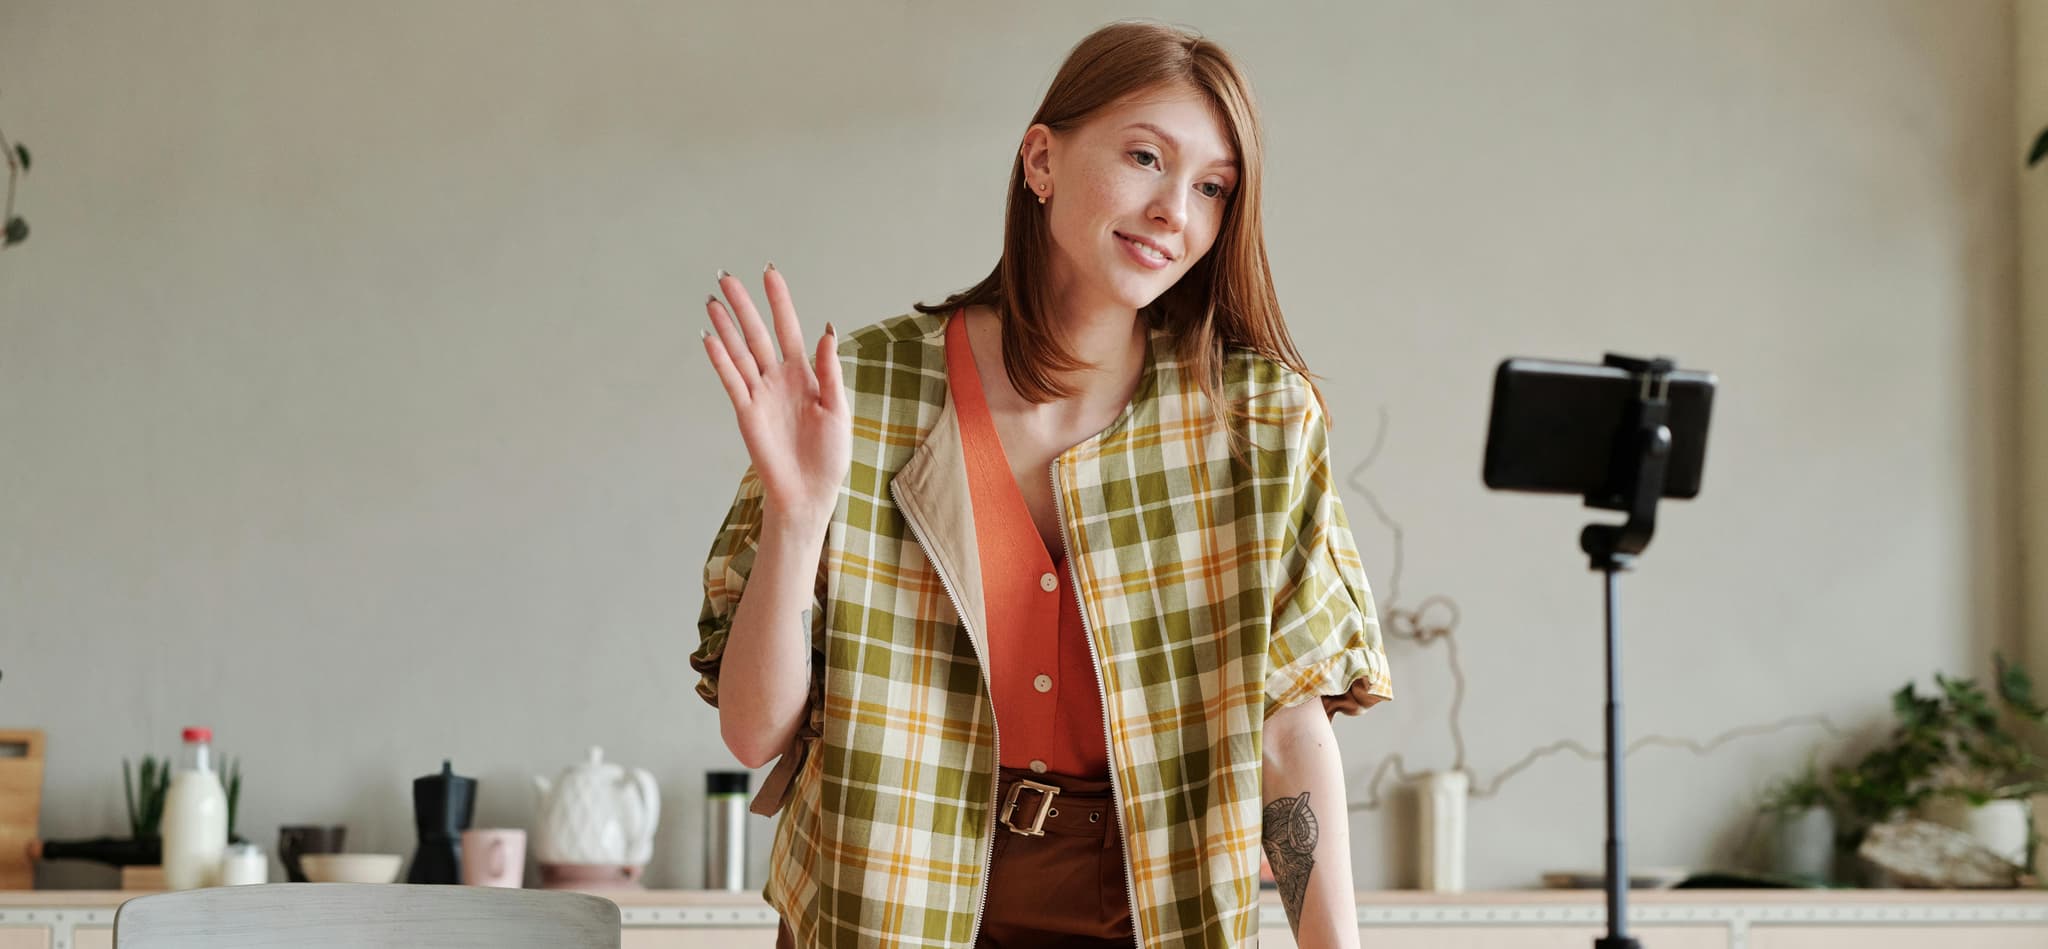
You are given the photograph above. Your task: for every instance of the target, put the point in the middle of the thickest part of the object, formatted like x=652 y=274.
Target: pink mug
x=494 y=857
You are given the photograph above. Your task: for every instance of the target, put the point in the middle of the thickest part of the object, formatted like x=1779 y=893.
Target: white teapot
x=597 y=813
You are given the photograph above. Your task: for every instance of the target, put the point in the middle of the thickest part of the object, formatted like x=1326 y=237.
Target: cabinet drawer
x=654 y=937
x=1525 y=937
x=1897 y=937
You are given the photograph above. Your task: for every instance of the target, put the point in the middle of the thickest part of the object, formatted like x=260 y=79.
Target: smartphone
x=1555 y=427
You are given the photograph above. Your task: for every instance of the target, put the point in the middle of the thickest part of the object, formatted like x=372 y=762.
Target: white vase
x=1442 y=796
x=1803 y=844
x=1999 y=825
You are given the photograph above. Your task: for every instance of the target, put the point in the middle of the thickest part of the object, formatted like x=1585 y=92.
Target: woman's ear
x=1036 y=154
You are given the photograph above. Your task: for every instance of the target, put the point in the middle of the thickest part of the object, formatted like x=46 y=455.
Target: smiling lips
x=1145 y=252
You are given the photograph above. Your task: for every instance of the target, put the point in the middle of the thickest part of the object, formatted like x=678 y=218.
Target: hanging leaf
x=1914 y=712
x=17 y=231
x=2015 y=686
x=1968 y=702
x=2040 y=149
x=21 y=152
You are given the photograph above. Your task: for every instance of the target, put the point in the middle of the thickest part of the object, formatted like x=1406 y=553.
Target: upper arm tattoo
x=1290 y=833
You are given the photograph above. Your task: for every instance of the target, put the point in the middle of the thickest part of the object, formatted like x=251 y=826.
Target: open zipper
x=1108 y=743
x=995 y=779
x=995 y=782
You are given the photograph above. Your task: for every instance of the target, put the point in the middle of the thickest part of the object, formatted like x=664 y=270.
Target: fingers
x=758 y=341
x=733 y=344
x=729 y=375
x=788 y=334
x=831 y=389
x=743 y=354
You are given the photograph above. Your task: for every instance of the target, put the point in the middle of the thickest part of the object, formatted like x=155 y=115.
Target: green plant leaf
x=128 y=791
x=1963 y=694
x=155 y=784
x=232 y=769
x=17 y=231
x=2040 y=149
x=21 y=152
x=1911 y=710
x=2016 y=687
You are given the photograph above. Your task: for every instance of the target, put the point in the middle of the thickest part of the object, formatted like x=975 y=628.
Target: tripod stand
x=1635 y=482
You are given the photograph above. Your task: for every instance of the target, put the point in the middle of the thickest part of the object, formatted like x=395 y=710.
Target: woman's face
x=1135 y=195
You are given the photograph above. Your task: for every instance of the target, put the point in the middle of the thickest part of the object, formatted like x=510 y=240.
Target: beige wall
x=2031 y=93
x=351 y=400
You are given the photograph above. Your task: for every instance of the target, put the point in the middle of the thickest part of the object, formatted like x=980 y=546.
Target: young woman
x=1047 y=613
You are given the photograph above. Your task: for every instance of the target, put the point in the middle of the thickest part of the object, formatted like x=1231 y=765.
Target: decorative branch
x=1375 y=801
x=15 y=228
x=1414 y=624
x=1435 y=619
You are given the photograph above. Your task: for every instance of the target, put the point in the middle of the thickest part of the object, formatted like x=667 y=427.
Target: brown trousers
x=1065 y=887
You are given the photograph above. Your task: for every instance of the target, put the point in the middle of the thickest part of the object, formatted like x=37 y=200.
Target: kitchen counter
x=1392 y=919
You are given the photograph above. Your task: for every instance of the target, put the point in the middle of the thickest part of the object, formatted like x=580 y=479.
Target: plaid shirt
x=1215 y=592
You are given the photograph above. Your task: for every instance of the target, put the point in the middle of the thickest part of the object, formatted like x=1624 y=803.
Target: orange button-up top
x=1047 y=697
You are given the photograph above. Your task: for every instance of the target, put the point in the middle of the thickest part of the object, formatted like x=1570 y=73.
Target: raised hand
x=792 y=411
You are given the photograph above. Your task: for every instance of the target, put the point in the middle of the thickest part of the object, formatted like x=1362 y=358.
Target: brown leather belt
x=1034 y=807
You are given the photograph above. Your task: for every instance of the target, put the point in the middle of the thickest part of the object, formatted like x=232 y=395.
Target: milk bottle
x=195 y=821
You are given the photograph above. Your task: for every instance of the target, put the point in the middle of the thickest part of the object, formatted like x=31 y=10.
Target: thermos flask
x=725 y=830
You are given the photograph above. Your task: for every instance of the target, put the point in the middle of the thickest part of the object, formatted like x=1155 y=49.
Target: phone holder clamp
x=1635 y=477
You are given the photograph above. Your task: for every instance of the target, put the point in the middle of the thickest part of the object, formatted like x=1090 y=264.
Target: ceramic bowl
x=351 y=867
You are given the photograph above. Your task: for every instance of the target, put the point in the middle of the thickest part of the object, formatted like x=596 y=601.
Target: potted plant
x=1983 y=785
x=1800 y=809
x=146 y=799
x=1952 y=759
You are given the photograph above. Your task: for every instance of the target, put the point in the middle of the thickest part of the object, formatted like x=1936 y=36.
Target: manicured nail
x=710 y=298
x=771 y=266
x=722 y=274
x=704 y=335
x=829 y=331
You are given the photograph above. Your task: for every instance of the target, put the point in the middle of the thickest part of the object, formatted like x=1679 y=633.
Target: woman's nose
x=1170 y=207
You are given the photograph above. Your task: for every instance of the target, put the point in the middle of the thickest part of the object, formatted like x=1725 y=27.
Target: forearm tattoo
x=1291 y=831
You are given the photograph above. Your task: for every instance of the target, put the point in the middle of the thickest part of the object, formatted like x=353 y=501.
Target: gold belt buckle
x=1046 y=793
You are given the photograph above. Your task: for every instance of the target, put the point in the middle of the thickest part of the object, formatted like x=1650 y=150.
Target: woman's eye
x=1142 y=154
x=1214 y=190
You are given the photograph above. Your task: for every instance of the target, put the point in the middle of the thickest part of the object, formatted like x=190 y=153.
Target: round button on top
x=1049 y=582
x=1043 y=683
x=1037 y=766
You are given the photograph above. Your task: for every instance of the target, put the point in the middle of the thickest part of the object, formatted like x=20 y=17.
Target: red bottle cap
x=199 y=734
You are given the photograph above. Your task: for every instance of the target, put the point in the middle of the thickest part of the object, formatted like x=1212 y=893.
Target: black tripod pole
x=1617 y=812
x=1635 y=483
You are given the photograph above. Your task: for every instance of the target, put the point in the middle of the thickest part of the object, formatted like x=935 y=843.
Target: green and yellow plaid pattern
x=1216 y=589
